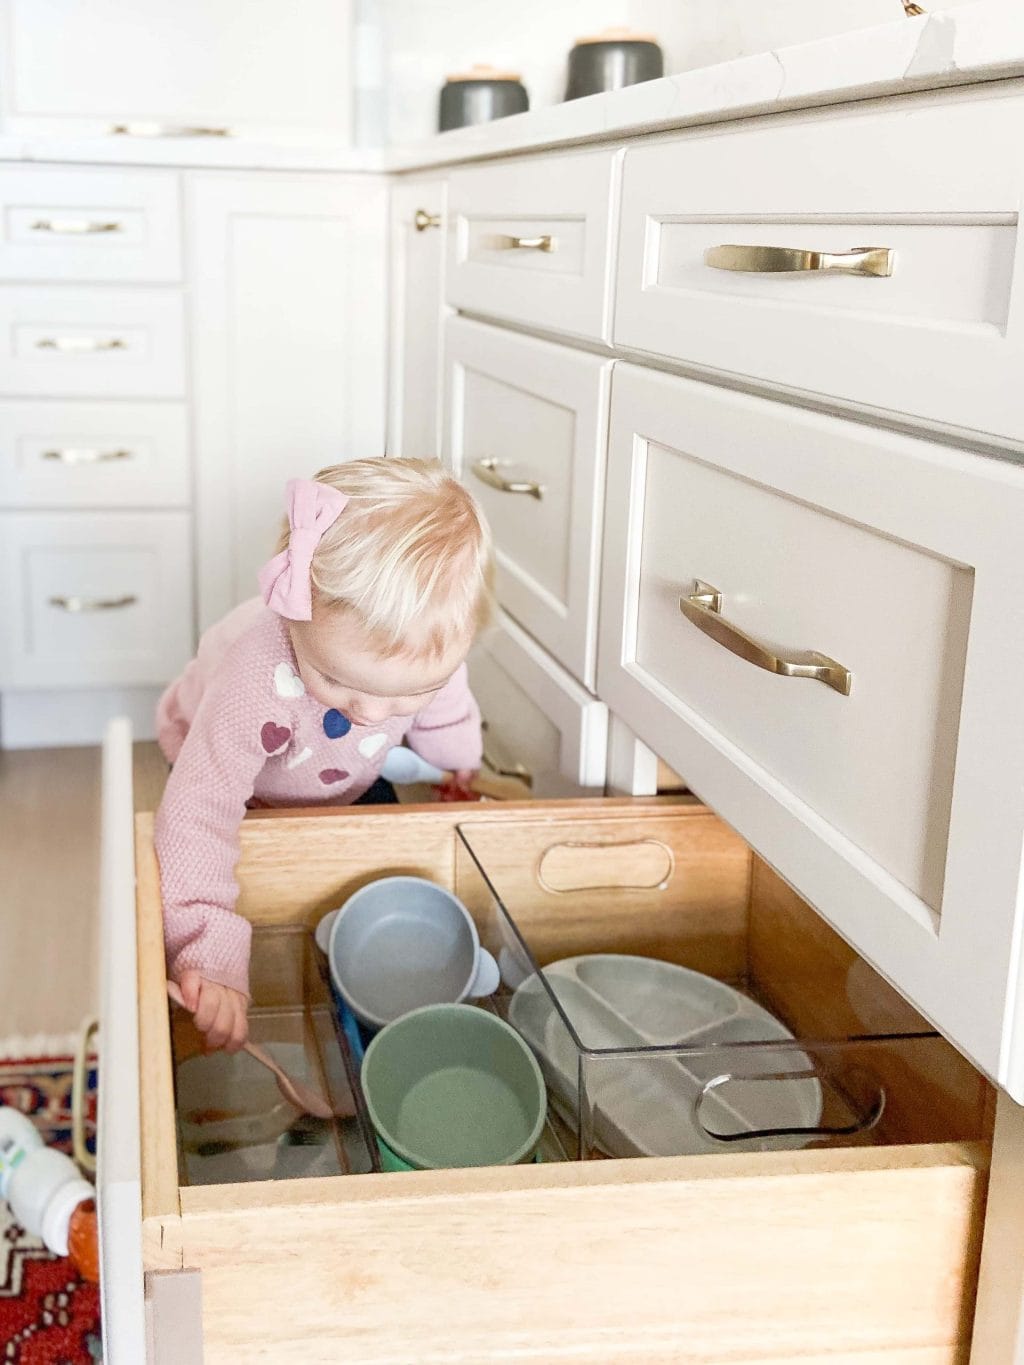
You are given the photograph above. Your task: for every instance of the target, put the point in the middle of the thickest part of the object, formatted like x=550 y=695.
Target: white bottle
x=42 y=1185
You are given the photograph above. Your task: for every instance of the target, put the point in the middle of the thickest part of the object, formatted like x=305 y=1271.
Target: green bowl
x=453 y=1085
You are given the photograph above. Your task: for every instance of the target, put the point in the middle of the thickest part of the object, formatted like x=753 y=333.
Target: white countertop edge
x=976 y=42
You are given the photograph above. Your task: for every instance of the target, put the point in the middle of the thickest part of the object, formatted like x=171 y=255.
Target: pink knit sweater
x=239 y=725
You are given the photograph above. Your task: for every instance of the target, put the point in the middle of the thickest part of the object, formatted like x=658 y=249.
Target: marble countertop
x=977 y=42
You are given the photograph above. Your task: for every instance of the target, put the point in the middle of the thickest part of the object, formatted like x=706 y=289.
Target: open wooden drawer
x=811 y=1253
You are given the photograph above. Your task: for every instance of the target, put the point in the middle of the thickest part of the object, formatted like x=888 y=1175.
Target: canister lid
x=483 y=73
x=616 y=34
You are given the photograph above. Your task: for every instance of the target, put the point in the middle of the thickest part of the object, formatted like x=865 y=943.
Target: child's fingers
x=239 y=1027
x=210 y=998
x=220 y=1030
x=190 y=985
x=464 y=777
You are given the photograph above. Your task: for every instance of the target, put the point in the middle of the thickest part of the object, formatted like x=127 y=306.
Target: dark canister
x=480 y=95
x=611 y=59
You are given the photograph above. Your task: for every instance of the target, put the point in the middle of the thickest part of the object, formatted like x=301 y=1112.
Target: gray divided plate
x=648 y=1106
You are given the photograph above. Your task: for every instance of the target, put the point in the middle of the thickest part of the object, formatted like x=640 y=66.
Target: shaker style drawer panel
x=91 y=343
x=525 y=430
x=532 y=241
x=94 y=599
x=55 y=454
x=811 y=621
x=72 y=224
x=871 y=255
x=540 y=724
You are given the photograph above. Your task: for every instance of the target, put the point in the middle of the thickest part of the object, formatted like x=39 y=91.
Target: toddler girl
x=368 y=611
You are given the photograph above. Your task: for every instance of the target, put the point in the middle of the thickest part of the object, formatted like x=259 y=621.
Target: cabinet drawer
x=89 y=225
x=540 y=723
x=939 y=338
x=94 y=599
x=532 y=241
x=790 y=1262
x=525 y=429
x=56 y=454
x=898 y=561
x=91 y=343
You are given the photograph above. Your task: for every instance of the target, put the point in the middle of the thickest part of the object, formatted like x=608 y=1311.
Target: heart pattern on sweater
x=287 y=683
x=372 y=744
x=331 y=775
x=274 y=737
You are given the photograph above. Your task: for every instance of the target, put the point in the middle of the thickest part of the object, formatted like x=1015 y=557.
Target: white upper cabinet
x=288 y=329
x=416 y=285
x=259 y=68
x=744 y=250
x=818 y=624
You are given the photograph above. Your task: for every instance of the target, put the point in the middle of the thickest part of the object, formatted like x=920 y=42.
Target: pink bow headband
x=313 y=508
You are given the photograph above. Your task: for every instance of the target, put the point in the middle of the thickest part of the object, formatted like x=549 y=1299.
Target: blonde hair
x=410 y=556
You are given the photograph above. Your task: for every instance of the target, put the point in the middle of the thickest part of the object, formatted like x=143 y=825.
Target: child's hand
x=458 y=786
x=218 y=1012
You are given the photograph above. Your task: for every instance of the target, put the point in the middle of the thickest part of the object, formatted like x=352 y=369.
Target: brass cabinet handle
x=81 y=345
x=515 y=770
x=487 y=472
x=84 y=455
x=144 y=129
x=424 y=220
x=544 y=243
x=703 y=608
x=784 y=260
x=78 y=604
x=77 y=227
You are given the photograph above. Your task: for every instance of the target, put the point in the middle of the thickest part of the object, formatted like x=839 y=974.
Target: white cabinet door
x=260 y=68
x=892 y=798
x=525 y=430
x=539 y=723
x=288 y=340
x=417 y=290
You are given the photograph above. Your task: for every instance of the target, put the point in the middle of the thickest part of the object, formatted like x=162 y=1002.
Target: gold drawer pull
x=424 y=220
x=76 y=227
x=167 y=130
x=487 y=472
x=81 y=345
x=516 y=770
x=703 y=608
x=84 y=455
x=862 y=260
x=78 y=604
x=544 y=243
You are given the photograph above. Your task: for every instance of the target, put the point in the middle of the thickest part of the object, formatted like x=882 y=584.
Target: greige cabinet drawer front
x=89 y=225
x=526 y=428
x=744 y=249
x=532 y=241
x=810 y=621
x=95 y=599
x=540 y=724
x=66 y=342
x=55 y=454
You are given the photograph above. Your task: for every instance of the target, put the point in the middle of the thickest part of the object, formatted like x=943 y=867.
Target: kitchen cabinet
x=288 y=319
x=416 y=285
x=872 y=786
x=260 y=70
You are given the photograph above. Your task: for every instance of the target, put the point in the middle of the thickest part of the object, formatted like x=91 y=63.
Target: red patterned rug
x=48 y=1314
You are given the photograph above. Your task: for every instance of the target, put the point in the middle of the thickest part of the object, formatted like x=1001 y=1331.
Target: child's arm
x=447 y=731
x=196 y=838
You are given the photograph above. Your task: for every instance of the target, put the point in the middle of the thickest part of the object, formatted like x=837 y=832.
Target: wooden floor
x=49 y=883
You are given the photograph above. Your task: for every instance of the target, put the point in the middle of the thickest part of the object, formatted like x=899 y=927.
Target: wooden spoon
x=295 y=1092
